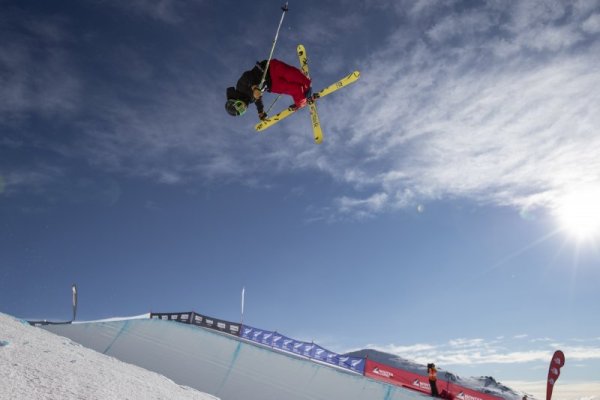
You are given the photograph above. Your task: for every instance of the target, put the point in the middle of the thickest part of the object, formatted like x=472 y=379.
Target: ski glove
x=262 y=116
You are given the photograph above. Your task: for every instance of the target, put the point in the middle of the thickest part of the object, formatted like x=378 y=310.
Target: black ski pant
x=434 y=391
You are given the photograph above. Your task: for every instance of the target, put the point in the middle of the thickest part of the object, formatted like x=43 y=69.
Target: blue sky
x=435 y=221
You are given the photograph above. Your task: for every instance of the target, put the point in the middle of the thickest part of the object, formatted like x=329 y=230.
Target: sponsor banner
x=305 y=349
x=257 y=335
x=199 y=320
x=183 y=317
x=322 y=354
x=353 y=363
x=216 y=324
x=298 y=347
x=308 y=350
x=420 y=383
x=287 y=344
x=277 y=340
x=557 y=362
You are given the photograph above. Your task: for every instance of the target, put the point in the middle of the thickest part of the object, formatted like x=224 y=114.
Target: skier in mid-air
x=280 y=78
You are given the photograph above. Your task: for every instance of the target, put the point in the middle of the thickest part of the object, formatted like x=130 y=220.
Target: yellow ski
x=314 y=116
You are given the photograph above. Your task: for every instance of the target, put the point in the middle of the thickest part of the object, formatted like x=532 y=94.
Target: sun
x=579 y=213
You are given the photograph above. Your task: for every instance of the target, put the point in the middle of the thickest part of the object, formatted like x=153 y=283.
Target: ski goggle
x=236 y=107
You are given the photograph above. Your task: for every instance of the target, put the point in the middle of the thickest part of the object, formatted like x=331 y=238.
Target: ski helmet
x=235 y=107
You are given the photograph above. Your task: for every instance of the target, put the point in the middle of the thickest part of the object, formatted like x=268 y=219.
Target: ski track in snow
x=36 y=364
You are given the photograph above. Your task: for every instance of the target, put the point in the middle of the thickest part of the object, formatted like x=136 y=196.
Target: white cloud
x=592 y=24
x=465 y=351
x=461 y=121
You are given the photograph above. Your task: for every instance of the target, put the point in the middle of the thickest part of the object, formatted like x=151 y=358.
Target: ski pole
x=273 y=103
x=262 y=81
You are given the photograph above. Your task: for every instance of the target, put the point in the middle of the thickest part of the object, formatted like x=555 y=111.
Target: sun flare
x=579 y=213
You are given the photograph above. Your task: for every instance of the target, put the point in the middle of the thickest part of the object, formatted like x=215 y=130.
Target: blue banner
x=352 y=363
x=310 y=350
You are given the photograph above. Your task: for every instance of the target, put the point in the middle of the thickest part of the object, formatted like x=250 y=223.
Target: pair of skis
x=314 y=117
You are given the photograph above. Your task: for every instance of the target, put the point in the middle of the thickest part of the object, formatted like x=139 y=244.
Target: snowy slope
x=36 y=364
x=484 y=384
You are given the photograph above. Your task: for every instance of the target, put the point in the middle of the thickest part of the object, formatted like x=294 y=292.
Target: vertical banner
x=558 y=360
x=74 y=289
x=243 y=294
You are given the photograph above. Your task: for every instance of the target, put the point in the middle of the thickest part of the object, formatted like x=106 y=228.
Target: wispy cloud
x=476 y=107
x=463 y=351
x=36 y=73
x=167 y=11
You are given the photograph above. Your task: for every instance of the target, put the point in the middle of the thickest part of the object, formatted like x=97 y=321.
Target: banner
x=557 y=362
x=418 y=382
x=300 y=348
x=200 y=320
x=231 y=328
x=183 y=317
x=74 y=290
x=353 y=363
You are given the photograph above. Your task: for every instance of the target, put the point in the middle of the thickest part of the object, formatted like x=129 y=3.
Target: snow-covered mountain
x=484 y=384
x=36 y=364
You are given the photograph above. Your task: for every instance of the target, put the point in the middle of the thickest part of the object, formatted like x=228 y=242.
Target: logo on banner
x=420 y=384
x=355 y=363
x=276 y=339
x=464 y=396
x=247 y=331
x=383 y=373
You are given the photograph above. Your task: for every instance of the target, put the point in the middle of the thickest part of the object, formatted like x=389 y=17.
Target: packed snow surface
x=36 y=364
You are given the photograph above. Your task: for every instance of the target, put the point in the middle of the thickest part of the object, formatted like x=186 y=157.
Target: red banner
x=414 y=381
x=558 y=360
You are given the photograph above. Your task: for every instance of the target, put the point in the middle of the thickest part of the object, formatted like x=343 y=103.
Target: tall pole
x=262 y=81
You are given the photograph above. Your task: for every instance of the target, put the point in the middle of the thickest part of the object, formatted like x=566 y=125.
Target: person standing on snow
x=432 y=372
x=281 y=78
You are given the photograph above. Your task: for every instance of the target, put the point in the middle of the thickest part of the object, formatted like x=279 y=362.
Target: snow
x=36 y=364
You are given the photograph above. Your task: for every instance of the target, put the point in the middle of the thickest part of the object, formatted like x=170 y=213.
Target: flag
x=558 y=360
x=243 y=294
x=74 y=289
